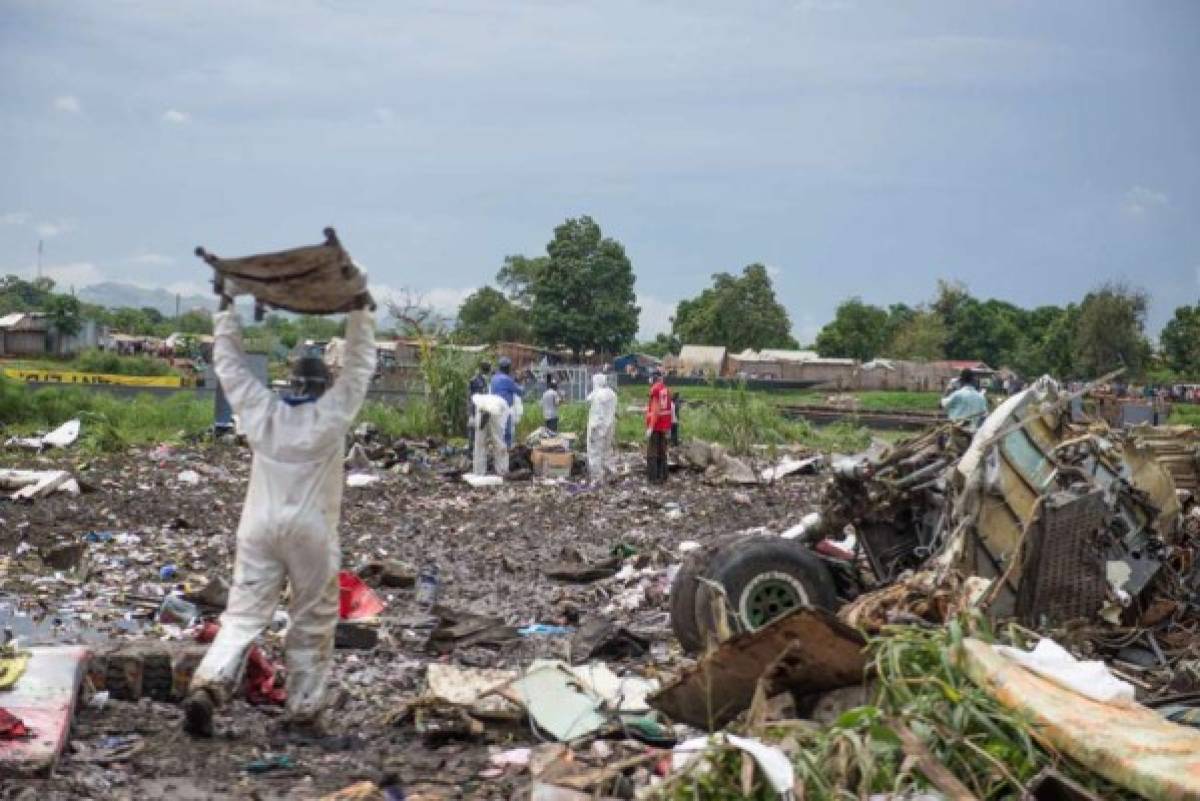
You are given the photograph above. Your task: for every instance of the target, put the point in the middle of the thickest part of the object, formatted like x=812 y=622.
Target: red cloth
x=356 y=600
x=658 y=411
x=259 y=682
x=11 y=726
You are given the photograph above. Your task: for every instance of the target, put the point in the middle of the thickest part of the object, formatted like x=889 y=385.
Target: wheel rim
x=770 y=596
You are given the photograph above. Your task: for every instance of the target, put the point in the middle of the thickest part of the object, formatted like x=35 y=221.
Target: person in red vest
x=658 y=428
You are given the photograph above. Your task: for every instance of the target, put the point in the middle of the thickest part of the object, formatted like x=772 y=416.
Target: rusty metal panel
x=1063 y=577
x=807 y=651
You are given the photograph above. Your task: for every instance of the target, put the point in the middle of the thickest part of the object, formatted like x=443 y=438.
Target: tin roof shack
x=772 y=364
x=33 y=334
x=636 y=364
x=695 y=361
x=834 y=373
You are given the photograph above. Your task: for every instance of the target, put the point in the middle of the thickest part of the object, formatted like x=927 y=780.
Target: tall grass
x=108 y=421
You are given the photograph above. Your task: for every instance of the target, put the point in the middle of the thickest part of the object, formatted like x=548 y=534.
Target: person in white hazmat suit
x=490 y=421
x=602 y=423
x=288 y=528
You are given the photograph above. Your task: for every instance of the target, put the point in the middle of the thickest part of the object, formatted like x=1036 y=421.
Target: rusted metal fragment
x=318 y=279
x=807 y=651
x=1131 y=746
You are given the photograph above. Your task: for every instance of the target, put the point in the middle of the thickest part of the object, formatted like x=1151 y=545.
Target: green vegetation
x=109 y=422
x=1185 y=414
x=921 y=688
x=1105 y=330
x=97 y=361
x=738 y=312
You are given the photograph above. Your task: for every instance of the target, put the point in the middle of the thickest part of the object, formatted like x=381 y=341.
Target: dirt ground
x=490 y=545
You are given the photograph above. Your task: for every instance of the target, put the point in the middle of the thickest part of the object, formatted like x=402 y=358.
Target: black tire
x=683 y=592
x=764 y=577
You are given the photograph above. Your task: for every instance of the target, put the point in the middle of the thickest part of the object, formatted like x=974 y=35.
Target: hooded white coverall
x=289 y=522
x=602 y=420
x=490 y=433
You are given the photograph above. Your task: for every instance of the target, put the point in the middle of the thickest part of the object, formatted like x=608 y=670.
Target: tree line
x=1104 y=331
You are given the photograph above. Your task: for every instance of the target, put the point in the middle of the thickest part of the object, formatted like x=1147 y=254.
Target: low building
x=695 y=361
x=32 y=334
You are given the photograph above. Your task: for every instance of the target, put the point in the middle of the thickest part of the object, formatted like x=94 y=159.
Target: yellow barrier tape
x=67 y=377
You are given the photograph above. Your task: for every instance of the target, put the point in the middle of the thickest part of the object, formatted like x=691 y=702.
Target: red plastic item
x=356 y=600
x=11 y=726
x=259 y=681
x=827 y=548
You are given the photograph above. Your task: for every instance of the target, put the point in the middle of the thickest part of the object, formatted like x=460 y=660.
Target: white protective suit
x=289 y=522
x=602 y=425
x=490 y=432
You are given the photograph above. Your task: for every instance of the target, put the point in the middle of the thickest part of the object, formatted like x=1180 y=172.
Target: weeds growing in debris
x=447 y=374
x=1185 y=414
x=109 y=422
x=918 y=686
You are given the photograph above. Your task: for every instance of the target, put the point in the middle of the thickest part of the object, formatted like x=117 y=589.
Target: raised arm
x=358 y=367
x=247 y=396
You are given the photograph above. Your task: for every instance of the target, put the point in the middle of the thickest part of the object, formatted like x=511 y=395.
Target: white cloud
x=14 y=218
x=74 y=274
x=186 y=288
x=49 y=230
x=69 y=104
x=1140 y=201
x=176 y=117
x=655 y=317
x=773 y=272
x=151 y=259
x=384 y=114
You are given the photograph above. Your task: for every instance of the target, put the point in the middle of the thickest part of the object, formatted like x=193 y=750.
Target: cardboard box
x=552 y=464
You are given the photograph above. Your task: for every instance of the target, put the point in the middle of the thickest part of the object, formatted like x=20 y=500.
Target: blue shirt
x=504 y=386
x=966 y=403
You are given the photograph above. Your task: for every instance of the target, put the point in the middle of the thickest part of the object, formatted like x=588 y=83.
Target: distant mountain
x=116 y=295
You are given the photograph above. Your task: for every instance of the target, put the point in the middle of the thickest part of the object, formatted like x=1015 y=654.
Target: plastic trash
x=427 y=586
x=98 y=536
x=544 y=630
x=189 y=477
x=1088 y=678
x=168 y=572
x=356 y=600
x=177 y=612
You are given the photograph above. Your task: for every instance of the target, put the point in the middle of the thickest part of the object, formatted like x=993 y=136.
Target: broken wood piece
x=829 y=655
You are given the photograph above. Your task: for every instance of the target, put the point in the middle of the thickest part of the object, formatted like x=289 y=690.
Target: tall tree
x=1110 y=330
x=1181 y=341
x=65 y=316
x=518 y=275
x=487 y=317
x=922 y=335
x=738 y=312
x=858 y=331
x=582 y=297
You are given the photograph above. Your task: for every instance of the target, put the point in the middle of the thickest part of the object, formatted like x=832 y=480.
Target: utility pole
x=177 y=307
x=39 y=262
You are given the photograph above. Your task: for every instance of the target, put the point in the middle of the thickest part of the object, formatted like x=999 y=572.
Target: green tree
x=922 y=335
x=17 y=294
x=518 y=276
x=65 y=316
x=1181 y=341
x=582 y=297
x=487 y=317
x=660 y=346
x=196 y=321
x=858 y=331
x=737 y=312
x=1109 y=332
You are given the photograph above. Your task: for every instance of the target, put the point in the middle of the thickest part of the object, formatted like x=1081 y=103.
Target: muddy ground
x=490 y=546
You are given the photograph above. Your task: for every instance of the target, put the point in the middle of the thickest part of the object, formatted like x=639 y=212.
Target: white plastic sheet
x=1088 y=678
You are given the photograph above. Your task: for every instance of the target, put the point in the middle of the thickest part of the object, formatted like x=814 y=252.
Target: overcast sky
x=1028 y=149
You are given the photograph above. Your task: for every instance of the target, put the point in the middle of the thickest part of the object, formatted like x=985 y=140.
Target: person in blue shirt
x=966 y=403
x=504 y=386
